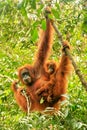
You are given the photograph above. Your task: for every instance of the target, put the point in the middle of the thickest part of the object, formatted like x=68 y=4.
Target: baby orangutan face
x=50 y=67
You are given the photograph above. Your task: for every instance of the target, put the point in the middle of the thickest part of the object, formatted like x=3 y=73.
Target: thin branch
x=28 y=101
x=77 y=70
x=5 y=76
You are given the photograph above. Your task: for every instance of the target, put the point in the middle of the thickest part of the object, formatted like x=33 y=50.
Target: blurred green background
x=20 y=21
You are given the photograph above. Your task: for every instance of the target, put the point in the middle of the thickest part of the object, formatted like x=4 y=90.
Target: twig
x=5 y=76
x=28 y=101
x=77 y=70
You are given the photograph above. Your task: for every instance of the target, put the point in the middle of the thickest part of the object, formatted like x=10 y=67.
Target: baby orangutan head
x=50 y=67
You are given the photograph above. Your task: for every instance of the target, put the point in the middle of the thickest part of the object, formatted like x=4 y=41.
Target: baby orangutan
x=46 y=90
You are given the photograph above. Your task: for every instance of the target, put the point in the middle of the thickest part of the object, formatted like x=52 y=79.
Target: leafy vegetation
x=19 y=24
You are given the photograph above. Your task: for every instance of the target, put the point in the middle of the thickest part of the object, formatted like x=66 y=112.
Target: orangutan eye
x=25 y=73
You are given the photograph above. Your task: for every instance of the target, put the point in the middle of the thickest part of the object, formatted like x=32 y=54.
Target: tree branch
x=77 y=70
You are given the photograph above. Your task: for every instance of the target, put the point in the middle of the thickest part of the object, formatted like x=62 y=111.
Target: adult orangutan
x=33 y=75
x=41 y=82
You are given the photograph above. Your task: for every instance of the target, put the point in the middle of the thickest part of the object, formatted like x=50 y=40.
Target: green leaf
x=58 y=6
x=50 y=16
x=43 y=25
x=23 y=11
x=41 y=100
x=56 y=13
x=33 y=3
x=34 y=35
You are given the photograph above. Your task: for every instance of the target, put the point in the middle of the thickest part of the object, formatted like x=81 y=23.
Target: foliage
x=19 y=25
